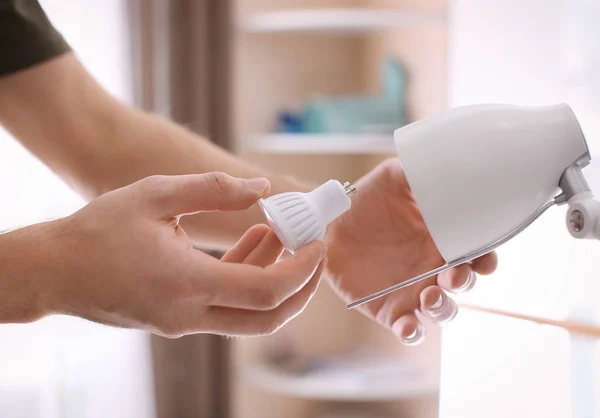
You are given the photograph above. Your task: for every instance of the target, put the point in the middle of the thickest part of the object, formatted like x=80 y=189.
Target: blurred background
x=314 y=89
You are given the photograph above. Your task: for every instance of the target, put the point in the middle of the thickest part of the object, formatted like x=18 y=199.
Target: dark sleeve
x=27 y=37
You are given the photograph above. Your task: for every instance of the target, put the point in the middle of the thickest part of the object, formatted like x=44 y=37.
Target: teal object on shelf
x=361 y=114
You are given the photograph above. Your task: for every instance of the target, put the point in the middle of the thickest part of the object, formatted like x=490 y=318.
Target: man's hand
x=383 y=241
x=124 y=260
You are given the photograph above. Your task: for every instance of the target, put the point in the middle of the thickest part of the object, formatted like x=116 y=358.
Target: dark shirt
x=27 y=37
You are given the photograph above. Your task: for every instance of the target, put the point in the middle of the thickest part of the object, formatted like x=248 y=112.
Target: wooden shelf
x=337 y=20
x=341 y=386
x=364 y=144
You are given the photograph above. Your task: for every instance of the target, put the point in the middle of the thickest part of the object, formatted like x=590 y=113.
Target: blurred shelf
x=339 y=385
x=322 y=144
x=337 y=20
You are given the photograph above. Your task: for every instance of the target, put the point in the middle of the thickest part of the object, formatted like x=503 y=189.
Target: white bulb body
x=478 y=172
x=298 y=218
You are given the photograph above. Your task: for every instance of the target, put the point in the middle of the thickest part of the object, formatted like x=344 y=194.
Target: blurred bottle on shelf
x=353 y=114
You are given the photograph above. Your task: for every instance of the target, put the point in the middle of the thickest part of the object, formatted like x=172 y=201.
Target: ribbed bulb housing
x=299 y=218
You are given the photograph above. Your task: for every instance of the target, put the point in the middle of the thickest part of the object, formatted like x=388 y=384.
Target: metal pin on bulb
x=298 y=218
x=349 y=188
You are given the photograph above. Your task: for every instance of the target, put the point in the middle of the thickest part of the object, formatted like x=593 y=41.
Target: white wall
x=65 y=367
x=529 y=52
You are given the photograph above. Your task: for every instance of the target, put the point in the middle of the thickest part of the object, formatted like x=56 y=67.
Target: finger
x=241 y=322
x=246 y=244
x=486 y=264
x=267 y=252
x=409 y=330
x=251 y=287
x=458 y=279
x=389 y=309
x=437 y=306
x=259 y=246
x=171 y=196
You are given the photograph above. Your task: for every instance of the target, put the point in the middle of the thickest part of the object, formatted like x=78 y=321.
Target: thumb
x=181 y=195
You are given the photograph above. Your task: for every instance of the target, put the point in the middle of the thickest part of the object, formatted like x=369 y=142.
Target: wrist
x=29 y=269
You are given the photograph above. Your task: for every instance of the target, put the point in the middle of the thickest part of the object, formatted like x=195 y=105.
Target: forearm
x=97 y=144
x=149 y=145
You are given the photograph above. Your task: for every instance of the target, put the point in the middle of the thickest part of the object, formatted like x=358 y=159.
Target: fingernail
x=413 y=334
x=469 y=284
x=438 y=303
x=258 y=184
x=444 y=312
x=416 y=337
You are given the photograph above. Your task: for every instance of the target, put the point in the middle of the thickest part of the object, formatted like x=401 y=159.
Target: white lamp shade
x=478 y=172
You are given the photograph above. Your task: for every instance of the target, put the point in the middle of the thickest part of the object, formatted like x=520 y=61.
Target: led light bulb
x=298 y=218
